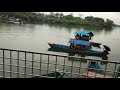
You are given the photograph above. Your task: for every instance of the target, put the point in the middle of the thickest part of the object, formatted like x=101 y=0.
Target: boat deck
x=94 y=75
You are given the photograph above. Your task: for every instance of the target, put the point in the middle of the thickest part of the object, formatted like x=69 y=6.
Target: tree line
x=57 y=18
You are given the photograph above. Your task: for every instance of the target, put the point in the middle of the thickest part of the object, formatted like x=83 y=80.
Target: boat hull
x=63 y=48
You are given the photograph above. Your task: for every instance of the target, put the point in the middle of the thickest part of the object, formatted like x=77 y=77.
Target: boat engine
x=106 y=50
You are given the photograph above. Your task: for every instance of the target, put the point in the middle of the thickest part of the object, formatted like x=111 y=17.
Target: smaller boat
x=83 y=35
x=84 y=32
x=57 y=74
x=86 y=35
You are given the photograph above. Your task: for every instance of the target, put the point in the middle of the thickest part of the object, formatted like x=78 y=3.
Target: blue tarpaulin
x=82 y=32
x=96 y=68
x=81 y=42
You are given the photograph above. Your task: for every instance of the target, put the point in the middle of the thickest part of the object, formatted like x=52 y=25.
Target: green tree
x=69 y=17
x=61 y=15
x=31 y=17
x=109 y=23
x=90 y=18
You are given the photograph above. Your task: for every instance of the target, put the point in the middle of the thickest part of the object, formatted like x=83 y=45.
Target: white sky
x=115 y=16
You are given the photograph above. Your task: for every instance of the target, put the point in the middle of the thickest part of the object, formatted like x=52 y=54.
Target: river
x=35 y=37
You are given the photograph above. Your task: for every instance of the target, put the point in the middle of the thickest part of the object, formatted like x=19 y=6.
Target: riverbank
x=56 y=18
x=67 y=25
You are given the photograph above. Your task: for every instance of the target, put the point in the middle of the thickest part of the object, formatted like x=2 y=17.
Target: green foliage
x=60 y=18
x=109 y=23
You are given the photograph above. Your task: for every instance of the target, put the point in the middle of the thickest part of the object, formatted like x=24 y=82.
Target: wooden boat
x=81 y=42
x=57 y=74
x=83 y=35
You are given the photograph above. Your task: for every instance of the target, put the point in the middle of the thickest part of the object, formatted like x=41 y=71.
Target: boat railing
x=26 y=64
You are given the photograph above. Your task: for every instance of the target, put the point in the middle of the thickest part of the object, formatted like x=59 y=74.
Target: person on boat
x=87 y=38
x=83 y=48
x=71 y=46
x=77 y=47
x=77 y=36
x=83 y=37
x=89 y=47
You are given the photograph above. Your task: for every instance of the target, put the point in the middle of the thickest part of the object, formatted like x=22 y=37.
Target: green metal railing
x=25 y=64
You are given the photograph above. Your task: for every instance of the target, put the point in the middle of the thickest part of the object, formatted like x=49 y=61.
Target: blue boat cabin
x=79 y=44
x=83 y=35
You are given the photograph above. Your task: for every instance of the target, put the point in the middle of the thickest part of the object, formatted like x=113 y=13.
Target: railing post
x=88 y=67
x=18 y=66
x=71 y=69
x=48 y=65
x=3 y=64
x=105 y=70
x=96 y=70
x=25 y=66
x=40 y=63
x=64 y=64
x=79 y=69
x=32 y=63
x=55 y=67
x=10 y=64
x=115 y=71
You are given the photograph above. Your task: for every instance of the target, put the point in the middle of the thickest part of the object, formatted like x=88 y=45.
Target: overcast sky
x=115 y=16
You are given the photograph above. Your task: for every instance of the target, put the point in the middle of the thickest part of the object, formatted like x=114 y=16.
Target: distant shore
x=55 y=18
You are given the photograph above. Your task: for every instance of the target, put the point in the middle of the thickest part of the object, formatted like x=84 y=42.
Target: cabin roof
x=80 y=42
x=83 y=32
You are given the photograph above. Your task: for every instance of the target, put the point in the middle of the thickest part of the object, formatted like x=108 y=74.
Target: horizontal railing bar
x=8 y=77
x=46 y=63
x=58 y=64
x=40 y=62
x=8 y=71
x=20 y=59
x=1 y=70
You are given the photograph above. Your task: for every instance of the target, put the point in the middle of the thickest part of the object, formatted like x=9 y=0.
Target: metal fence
x=25 y=64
